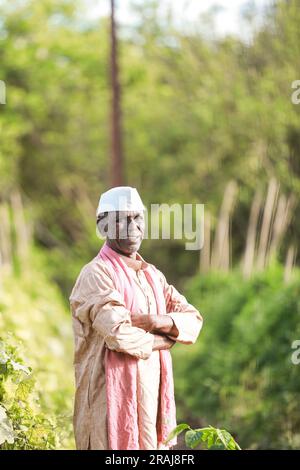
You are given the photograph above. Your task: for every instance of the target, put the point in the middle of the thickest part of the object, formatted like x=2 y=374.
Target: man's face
x=124 y=230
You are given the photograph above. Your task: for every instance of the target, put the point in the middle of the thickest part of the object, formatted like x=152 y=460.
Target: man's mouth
x=133 y=240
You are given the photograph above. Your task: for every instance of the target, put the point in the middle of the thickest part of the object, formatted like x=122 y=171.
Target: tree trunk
x=117 y=161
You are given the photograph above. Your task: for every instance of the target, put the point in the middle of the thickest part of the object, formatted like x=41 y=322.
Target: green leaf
x=213 y=438
x=193 y=438
x=23 y=390
x=176 y=432
x=6 y=429
x=18 y=366
x=4 y=358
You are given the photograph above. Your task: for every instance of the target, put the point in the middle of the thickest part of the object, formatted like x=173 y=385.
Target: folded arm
x=186 y=317
x=162 y=342
x=96 y=302
x=183 y=321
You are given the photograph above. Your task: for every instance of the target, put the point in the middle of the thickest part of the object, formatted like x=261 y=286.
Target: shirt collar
x=136 y=264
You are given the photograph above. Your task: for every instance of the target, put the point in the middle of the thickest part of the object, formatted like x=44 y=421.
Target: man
x=126 y=317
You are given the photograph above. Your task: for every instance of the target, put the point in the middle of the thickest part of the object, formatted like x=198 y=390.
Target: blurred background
x=189 y=102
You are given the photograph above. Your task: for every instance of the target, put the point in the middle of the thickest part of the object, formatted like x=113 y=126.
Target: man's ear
x=102 y=223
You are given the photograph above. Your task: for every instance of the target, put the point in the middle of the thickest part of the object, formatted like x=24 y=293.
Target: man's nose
x=132 y=225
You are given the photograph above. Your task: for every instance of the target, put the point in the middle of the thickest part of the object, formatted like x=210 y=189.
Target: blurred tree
x=117 y=164
x=197 y=112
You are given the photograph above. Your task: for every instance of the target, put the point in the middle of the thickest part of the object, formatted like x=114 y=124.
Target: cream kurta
x=100 y=319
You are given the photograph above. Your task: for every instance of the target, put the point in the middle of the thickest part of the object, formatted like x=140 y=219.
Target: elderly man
x=126 y=317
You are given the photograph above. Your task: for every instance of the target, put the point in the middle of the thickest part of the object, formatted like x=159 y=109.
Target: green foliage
x=240 y=371
x=197 y=111
x=22 y=424
x=36 y=373
x=209 y=437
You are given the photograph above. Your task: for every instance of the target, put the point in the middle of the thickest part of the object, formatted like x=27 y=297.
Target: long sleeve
x=96 y=302
x=186 y=317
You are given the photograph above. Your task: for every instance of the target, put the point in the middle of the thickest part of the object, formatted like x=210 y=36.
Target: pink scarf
x=121 y=369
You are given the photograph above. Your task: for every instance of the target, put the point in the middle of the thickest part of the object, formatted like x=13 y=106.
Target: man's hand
x=146 y=322
x=162 y=342
x=161 y=324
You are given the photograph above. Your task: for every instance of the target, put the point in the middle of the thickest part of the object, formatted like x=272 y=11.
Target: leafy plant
x=208 y=437
x=22 y=424
x=38 y=334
